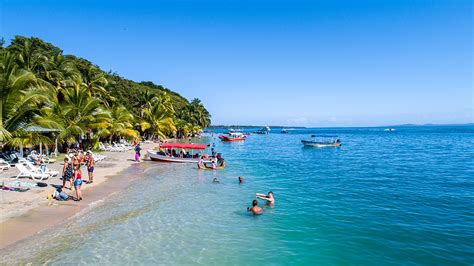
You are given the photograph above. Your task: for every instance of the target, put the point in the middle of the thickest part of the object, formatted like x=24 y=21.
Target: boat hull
x=225 y=138
x=320 y=144
x=162 y=158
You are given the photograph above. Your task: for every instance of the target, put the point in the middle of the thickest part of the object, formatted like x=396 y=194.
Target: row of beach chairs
x=116 y=147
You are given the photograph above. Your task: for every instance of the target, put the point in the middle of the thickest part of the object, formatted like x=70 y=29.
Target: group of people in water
x=268 y=198
x=255 y=209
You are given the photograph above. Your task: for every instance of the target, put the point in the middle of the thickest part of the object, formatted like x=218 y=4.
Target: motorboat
x=233 y=136
x=165 y=153
x=263 y=131
x=321 y=141
x=389 y=129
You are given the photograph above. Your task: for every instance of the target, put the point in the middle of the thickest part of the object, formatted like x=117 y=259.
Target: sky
x=261 y=62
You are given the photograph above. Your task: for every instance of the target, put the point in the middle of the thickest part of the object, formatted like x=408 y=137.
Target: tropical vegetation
x=40 y=87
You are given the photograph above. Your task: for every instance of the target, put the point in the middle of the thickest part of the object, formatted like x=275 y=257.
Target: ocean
x=404 y=197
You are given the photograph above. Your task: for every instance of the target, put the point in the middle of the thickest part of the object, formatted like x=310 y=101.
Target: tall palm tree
x=158 y=117
x=77 y=114
x=20 y=96
x=121 y=124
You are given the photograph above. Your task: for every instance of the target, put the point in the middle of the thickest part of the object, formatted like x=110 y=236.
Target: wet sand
x=25 y=214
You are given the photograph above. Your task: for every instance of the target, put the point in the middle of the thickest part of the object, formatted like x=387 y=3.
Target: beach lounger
x=43 y=170
x=48 y=160
x=4 y=165
x=24 y=172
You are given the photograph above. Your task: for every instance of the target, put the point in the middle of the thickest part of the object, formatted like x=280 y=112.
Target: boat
x=389 y=129
x=160 y=156
x=284 y=131
x=233 y=136
x=321 y=141
x=263 y=131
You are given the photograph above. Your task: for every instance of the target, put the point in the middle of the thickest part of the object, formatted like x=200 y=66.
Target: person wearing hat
x=90 y=163
x=67 y=172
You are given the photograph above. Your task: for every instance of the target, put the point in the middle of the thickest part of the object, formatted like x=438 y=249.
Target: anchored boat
x=263 y=131
x=233 y=136
x=190 y=153
x=321 y=141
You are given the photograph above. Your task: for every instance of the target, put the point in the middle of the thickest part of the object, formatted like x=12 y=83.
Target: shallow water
x=403 y=197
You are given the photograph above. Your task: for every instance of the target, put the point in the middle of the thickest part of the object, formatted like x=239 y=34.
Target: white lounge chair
x=41 y=170
x=4 y=165
x=24 y=172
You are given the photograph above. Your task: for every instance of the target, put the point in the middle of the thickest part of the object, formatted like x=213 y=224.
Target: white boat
x=322 y=141
x=163 y=157
x=389 y=129
x=264 y=130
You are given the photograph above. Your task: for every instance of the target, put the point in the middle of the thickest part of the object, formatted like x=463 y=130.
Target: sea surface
x=404 y=197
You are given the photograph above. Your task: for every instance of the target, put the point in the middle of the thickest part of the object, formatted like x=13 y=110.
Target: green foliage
x=39 y=86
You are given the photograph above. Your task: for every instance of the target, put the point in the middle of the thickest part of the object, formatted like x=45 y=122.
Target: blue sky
x=300 y=63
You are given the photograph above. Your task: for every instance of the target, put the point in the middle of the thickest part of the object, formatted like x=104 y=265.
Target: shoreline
x=27 y=219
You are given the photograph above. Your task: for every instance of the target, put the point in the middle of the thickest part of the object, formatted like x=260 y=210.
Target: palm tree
x=77 y=114
x=95 y=81
x=158 y=117
x=20 y=96
x=121 y=124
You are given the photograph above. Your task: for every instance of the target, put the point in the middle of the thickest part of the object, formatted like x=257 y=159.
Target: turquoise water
x=383 y=198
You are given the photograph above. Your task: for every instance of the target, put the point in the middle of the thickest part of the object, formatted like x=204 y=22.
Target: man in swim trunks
x=90 y=163
x=255 y=208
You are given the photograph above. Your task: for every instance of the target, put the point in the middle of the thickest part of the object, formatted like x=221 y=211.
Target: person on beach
x=241 y=180
x=78 y=184
x=268 y=198
x=60 y=195
x=67 y=172
x=90 y=163
x=137 y=152
x=76 y=163
x=255 y=208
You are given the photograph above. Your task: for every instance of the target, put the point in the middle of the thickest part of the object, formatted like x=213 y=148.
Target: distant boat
x=284 y=131
x=389 y=129
x=263 y=131
x=322 y=141
x=233 y=136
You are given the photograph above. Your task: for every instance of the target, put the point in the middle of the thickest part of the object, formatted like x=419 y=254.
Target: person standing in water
x=255 y=208
x=269 y=198
x=241 y=180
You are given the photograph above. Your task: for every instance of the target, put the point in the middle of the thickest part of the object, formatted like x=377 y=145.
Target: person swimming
x=241 y=180
x=269 y=198
x=215 y=181
x=255 y=208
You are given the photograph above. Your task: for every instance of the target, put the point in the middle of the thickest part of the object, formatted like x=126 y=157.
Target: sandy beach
x=23 y=214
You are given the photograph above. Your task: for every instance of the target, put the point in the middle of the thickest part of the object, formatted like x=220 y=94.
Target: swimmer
x=255 y=208
x=241 y=180
x=269 y=198
x=215 y=181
